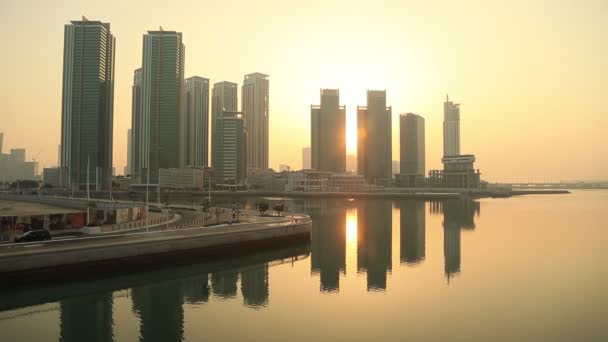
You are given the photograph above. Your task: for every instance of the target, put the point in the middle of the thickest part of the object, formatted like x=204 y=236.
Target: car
x=34 y=235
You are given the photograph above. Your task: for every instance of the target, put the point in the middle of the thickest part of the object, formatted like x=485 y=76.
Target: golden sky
x=531 y=76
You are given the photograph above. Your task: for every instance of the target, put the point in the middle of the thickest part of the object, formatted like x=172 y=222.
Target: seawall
x=23 y=263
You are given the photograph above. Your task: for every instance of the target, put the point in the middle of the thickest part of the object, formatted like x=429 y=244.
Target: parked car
x=34 y=235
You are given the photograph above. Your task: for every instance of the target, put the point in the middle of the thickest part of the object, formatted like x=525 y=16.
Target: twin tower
x=374 y=138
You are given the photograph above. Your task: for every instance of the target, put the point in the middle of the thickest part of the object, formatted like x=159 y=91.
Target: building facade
x=306 y=158
x=87 y=112
x=451 y=128
x=182 y=178
x=255 y=110
x=129 y=167
x=162 y=123
x=137 y=129
x=14 y=167
x=374 y=142
x=458 y=172
x=328 y=133
x=412 y=148
x=231 y=168
x=223 y=98
x=196 y=106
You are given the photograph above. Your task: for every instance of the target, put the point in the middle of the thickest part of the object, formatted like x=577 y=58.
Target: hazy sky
x=530 y=75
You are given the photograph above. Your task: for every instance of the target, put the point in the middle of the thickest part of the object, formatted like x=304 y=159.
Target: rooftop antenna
x=447 y=98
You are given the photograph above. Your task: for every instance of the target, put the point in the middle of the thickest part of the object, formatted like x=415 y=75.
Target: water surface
x=526 y=268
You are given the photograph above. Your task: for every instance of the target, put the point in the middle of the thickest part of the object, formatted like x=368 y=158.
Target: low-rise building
x=458 y=172
x=267 y=180
x=14 y=167
x=409 y=180
x=308 y=181
x=56 y=177
x=182 y=178
x=347 y=182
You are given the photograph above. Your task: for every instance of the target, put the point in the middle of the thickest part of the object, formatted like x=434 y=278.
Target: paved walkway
x=25 y=249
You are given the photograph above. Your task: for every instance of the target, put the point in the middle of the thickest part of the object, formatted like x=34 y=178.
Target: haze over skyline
x=529 y=82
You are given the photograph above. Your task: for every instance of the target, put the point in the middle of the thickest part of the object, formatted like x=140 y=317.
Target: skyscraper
x=255 y=111
x=451 y=128
x=1 y=141
x=162 y=120
x=196 y=105
x=137 y=129
x=231 y=167
x=87 y=111
x=374 y=147
x=129 y=168
x=328 y=133
x=411 y=139
x=223 y=98
x=306 y=158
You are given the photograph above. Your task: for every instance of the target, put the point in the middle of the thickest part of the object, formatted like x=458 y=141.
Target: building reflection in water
x=374 y=241
x=87 y=318
x=160 y=310
x=224 y=283
x=328 y=245
x=196 y=289
x=254 y=286
x=457 y=215
x=413 y=231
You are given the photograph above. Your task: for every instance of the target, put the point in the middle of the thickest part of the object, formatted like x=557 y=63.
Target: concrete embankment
x=40 y=293
x=356 y=195
x=34 y=261
x=538 y=192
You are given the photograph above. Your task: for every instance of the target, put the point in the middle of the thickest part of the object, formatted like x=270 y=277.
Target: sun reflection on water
x=351 y=240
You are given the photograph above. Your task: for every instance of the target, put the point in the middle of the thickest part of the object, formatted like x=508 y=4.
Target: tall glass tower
x=162 y=117
x=374 y=142
x=223 y=99
x=196 y=106
x=87 y=111
x=328 y=133
x=451 y=128
x=255 y=110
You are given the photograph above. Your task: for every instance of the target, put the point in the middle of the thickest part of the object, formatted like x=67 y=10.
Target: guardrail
x=151 y=236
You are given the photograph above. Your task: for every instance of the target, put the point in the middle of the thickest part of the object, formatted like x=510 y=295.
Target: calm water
x=529 y=268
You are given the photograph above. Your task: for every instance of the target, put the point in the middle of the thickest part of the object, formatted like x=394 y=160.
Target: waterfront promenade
x=39 y=260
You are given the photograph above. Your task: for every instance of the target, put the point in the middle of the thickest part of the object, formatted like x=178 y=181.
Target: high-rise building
x=129 y=166
x=88 y=103
x=137 y=129
x=223 y=98
x=162 y=123
x=1 y=141
x=231 y=167
x=374 y=143
x=255 y=111
x=411 y=140
x=196 y=106
x=306 y=158
x=451 y=128
x=328 y=133
x=59 y=155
